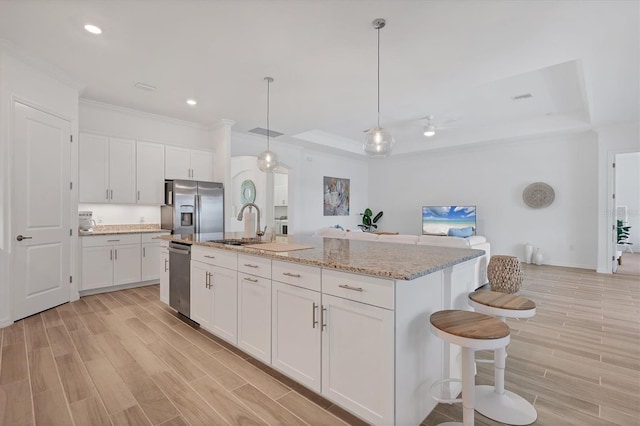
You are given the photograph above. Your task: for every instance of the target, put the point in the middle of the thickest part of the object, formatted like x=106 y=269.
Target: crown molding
x=142 y=114
x=11 y=49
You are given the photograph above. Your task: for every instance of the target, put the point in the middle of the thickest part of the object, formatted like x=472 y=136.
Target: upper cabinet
x=107 y=169
x=185 y=163
x=150 y=173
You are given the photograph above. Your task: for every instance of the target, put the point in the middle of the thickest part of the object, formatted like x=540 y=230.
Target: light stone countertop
x=375 y=258
x=123 y=229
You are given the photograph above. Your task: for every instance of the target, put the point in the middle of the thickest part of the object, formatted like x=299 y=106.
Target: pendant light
x=268 y=160
x=378 y=142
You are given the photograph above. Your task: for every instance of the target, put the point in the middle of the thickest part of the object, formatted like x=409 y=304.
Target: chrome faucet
x=259 y=232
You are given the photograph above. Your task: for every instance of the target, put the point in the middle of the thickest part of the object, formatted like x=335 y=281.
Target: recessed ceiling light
x=93 y=29
x=191 y=102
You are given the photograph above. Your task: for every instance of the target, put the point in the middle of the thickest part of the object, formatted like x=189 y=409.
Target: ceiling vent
x=522 y=97
x=263 y=132
x=146 y=87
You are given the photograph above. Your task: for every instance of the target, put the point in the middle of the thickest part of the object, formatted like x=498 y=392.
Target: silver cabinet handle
x=251 y=280
x=323 y=314
x=112 y=194
x=112 y=241
x=107 y=195
x=165 y=265
x=289 y=274
x=116 y=254
x=348 y=287
x=313 y=320
x=111 y=254
x=206 y=280
x=138 y=195
x=209 y=257
x=144 y=252
x=22 y=237
x=249 y=265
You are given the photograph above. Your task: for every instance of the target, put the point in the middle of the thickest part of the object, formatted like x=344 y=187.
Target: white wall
x=22 y=79
x=127 y=123
x=492 y=177
x=628 y=191
x=307 y=168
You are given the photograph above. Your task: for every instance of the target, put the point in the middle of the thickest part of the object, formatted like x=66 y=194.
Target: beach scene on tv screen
x=437 y=220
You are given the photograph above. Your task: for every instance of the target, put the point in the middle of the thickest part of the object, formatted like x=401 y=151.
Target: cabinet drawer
x=254 y=265
x=151 y=237
x=359 y=288
x=222 y=258
x=107 y=240
x=296 y=274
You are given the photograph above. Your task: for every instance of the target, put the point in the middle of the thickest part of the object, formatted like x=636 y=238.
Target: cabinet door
x=126 y=264
x=201 y=299
x=254 y=316
x=296 y=333
x=225 y=304
x=150 y=261
x=201 y=165
x=164 y=277
x=93 y=168
x=357 y=358
x=177 y=162
x=122 y=171
x=150 y=173
x=97 y=267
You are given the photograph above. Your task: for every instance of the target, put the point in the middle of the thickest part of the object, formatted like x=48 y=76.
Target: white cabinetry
x=107 y=169
x=295 y=320
x=151 y=257
x=110 y=260
x=164 y=271
x=185 y=163
x=254 y=306
x=149 y=173
x=214 y=291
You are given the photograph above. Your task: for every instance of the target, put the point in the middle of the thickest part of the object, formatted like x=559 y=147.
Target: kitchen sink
x=237 y=242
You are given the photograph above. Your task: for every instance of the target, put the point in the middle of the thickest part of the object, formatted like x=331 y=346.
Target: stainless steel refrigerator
x=193 y=207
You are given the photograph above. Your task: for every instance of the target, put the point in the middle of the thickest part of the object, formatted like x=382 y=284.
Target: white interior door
x=40 y=211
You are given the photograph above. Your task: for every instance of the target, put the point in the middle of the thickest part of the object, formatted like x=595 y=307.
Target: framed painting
x=336 y=196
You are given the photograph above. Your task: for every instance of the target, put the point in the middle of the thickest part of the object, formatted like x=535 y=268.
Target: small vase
x=528 y=252
x=537 y=258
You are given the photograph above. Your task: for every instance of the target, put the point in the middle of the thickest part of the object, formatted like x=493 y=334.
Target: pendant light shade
x=378 y=142
x=268 y=160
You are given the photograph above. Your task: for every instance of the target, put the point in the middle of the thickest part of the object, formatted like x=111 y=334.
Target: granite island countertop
x=375 y=258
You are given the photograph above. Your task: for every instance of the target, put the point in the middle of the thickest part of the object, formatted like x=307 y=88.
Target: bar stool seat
x=472 y=331
x=495 y=402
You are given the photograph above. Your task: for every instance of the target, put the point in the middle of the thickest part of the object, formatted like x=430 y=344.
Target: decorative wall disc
x=247 y=192
x=538 y=195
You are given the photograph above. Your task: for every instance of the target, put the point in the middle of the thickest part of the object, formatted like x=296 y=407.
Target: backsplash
x=119 y=214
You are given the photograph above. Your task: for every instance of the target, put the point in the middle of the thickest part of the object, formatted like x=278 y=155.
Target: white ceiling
x=460 y=61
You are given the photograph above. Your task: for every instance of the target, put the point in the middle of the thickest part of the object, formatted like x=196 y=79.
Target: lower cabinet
x=214 y=298
x=151 y=257
x=164 y=272
x=296 y=334
x=358 y=358
x=254 y=316
x=110 y=260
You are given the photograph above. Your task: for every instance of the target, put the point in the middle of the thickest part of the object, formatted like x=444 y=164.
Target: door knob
x=20 y=238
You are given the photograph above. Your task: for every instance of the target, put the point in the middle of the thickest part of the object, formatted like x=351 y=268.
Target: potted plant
x=623 y=232
x=369 y=223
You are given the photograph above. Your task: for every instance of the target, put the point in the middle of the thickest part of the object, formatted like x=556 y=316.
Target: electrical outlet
x=141 y=219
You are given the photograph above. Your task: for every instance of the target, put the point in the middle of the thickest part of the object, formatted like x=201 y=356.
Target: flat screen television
x=448 y=220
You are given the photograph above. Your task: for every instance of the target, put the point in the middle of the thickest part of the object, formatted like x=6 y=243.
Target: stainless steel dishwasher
x=180 y=277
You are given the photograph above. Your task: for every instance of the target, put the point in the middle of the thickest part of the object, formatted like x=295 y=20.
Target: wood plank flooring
x=125 y=358
x=578 y=359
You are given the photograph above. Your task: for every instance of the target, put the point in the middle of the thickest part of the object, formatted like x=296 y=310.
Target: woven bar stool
x=472 y=331
x=495 y=402
x=504 y=274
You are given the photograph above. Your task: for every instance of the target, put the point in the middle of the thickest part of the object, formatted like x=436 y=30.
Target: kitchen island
x=348 y=319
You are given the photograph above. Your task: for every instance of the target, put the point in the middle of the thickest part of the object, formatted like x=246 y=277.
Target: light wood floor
x=578 y=359
x=124 y=358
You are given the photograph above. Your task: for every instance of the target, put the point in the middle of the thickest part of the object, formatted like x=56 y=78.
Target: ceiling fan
x=431 y=125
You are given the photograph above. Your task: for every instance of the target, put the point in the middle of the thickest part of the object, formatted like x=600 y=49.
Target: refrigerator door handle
x=198 y=210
